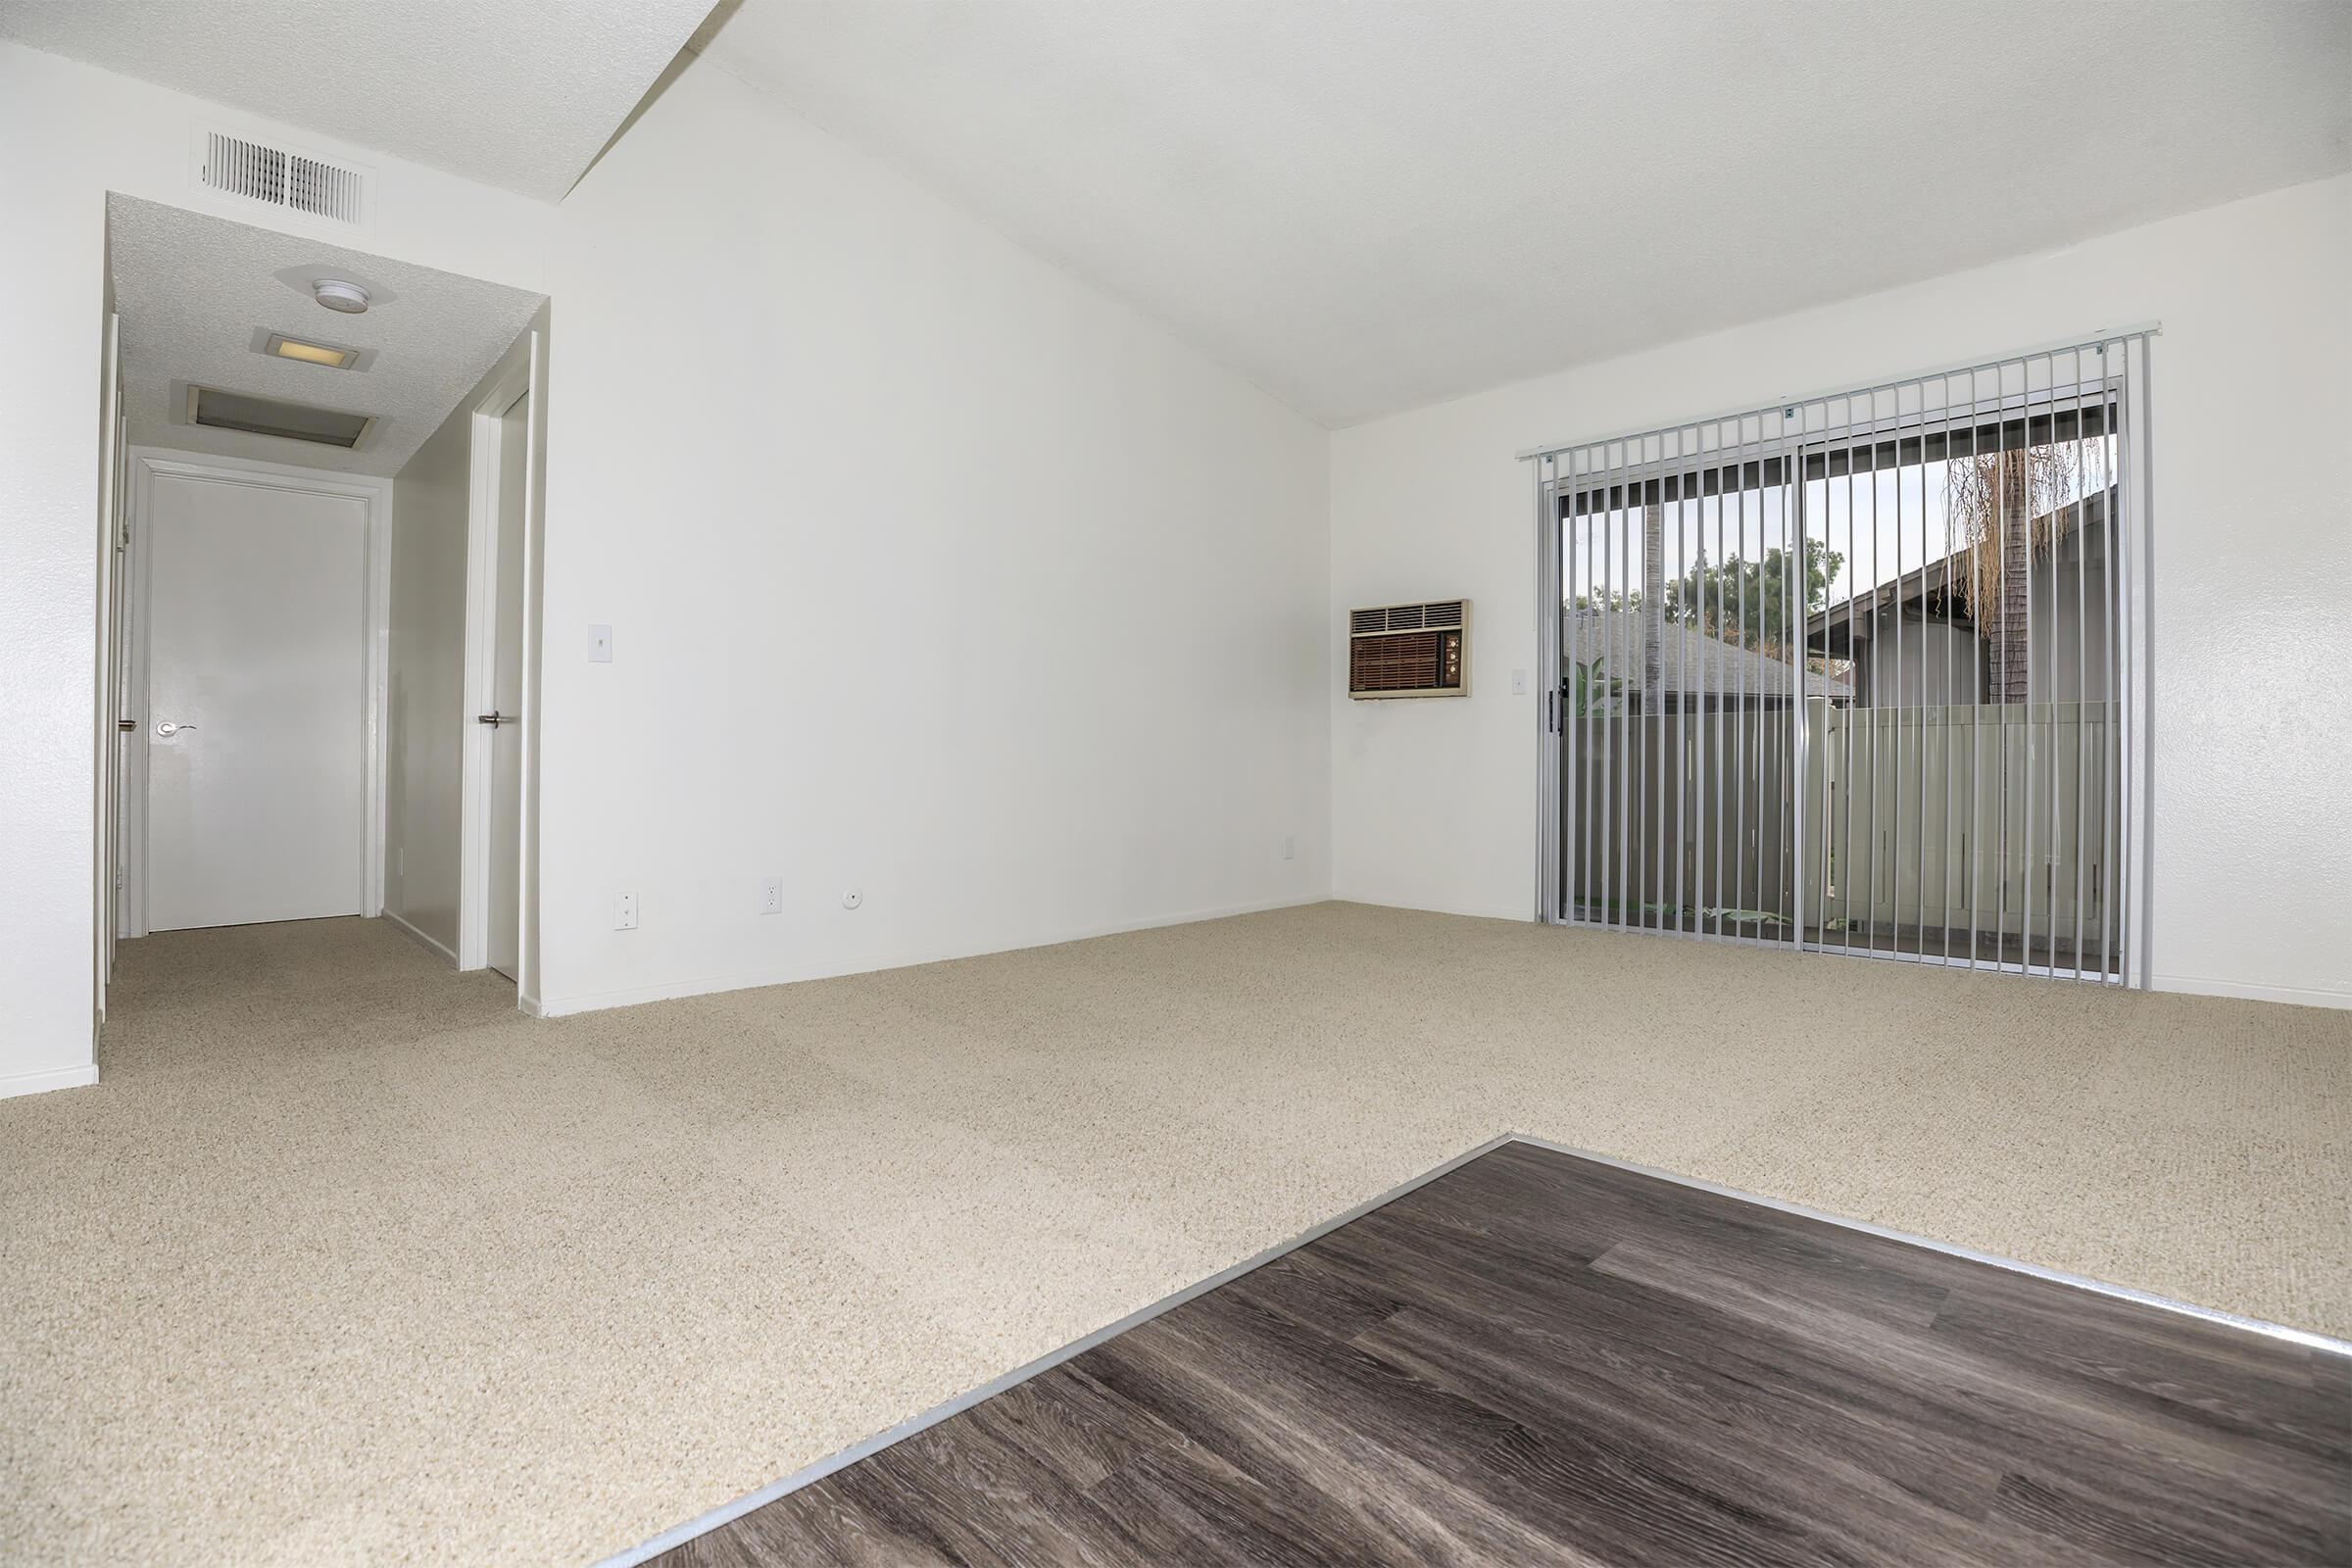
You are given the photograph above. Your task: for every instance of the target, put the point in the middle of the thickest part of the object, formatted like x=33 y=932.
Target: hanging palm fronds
x=2015 y=485
x=2001 y=508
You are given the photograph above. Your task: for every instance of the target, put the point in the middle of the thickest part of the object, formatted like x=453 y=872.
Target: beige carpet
x=343 y=1261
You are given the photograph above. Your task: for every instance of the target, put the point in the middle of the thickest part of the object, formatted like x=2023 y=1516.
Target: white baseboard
x=421 y=938
x=666 y=991
x=2299 y=995
x=1524 y=913
x=40 y=1083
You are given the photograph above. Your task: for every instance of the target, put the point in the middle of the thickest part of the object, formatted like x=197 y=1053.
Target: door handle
x=126 y=723
x=493 y=718
x=166 y=729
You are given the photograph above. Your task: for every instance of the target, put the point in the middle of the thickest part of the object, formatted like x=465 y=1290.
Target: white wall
x=1434 y=804
x=95 y=131
x=931 y=573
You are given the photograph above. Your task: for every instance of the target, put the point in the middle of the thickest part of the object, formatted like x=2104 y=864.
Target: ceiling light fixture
x=337 y=295
x=294 y=348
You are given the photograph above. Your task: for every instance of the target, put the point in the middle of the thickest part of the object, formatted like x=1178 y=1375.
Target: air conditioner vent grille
x=1409 y=649
x=275 y=417
x=279 y=176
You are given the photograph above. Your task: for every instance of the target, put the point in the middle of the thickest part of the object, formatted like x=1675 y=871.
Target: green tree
x=1747 y=602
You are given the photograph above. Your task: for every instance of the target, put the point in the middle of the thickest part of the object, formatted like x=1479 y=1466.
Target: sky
x=1883 y=524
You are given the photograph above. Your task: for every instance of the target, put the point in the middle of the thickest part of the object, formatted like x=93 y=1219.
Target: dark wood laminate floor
x=1542 y=1360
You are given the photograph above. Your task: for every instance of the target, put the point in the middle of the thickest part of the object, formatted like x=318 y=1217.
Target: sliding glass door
x=1678 y=684
x=1857 y=673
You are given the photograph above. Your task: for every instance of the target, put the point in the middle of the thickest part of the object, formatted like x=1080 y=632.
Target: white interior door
x=505 y=695
x=257 y=704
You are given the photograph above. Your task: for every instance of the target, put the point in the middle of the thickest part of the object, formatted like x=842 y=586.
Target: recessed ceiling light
x=294 y=348
x=337 y=295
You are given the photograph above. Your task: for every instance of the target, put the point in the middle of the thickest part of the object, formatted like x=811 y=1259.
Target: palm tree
x=2000 y=506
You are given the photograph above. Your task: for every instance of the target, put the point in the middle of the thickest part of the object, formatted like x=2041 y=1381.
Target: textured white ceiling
x=516 y=95
x=193 y=291
x=1369 y=206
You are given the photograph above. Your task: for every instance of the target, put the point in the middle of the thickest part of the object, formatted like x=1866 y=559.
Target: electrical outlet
x=624 y=911
x=1290 y=846
x=771 y=896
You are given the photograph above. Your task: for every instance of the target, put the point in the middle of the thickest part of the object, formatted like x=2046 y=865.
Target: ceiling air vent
x=288 y=421
x=1411 y=650
x=282 y=178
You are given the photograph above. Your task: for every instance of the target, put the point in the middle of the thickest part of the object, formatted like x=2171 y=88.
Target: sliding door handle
x=494 y=718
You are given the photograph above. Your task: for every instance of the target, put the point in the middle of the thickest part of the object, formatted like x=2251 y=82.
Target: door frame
x=112 y=543
x=1551 y=720
x=515 y=376
x=375 y=495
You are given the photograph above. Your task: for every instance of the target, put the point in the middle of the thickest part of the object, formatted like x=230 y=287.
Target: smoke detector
x=337 y=295
x=330 y=283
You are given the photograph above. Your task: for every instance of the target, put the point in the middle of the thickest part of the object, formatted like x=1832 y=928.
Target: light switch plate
x=1518 y=683
x=599 y=645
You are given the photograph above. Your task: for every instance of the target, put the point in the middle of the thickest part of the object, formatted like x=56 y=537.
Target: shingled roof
x=1693 y=665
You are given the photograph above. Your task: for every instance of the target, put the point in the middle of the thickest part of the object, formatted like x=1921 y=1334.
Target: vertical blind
x=1861 y=672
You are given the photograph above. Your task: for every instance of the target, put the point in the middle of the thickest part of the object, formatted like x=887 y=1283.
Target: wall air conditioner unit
x=1411 y=650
